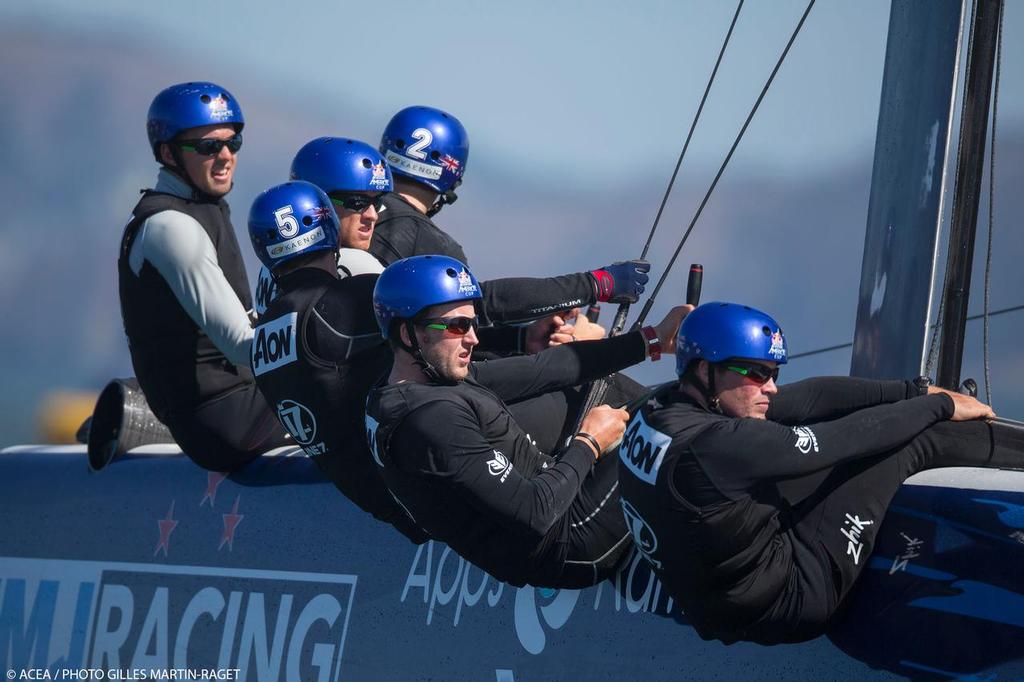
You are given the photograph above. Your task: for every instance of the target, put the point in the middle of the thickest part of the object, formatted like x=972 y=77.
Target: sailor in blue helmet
x=457 y=460
x=428 y=151
x=758 y=505
x=317 y=350
x=356 y=179
x=185 y=298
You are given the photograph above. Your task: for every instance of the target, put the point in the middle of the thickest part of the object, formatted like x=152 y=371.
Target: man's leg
x=844 y=515
x=598 y=537
x=228 y=432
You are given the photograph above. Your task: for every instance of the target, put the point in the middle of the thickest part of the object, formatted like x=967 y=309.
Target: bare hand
x=668 y=328
x=966 y=408
x=606 y=424
x=561 y=328
x=575 y=327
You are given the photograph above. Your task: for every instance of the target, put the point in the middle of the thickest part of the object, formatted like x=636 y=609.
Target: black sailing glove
x=621 y=282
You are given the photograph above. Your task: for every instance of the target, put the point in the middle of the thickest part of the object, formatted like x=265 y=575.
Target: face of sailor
x=356 y=224
x=211 y=175
x=448 y=351
x=745 y=388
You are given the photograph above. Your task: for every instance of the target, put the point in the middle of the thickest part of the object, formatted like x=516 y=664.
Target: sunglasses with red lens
x=459 y=326
x=211 y=146
x=759 y=374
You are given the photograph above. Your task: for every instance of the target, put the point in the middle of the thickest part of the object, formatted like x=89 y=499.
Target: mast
x=969 y=171
x=905 y=207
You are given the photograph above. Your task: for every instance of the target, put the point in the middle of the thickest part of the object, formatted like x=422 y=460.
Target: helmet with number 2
x=290 y=220
x=426 y=145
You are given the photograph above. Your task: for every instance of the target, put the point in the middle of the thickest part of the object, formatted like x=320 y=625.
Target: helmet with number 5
x=290 y=220
x=427 y=145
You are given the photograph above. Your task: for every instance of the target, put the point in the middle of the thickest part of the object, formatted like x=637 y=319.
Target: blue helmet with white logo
x=190 y=105
x=337 y=164
x=411 y=285
x=290 y=220
x=721 y=331
x=427 y=145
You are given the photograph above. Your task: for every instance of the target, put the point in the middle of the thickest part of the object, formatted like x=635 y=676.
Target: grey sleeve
x=181 y=251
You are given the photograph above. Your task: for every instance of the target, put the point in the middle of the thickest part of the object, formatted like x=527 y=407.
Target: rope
x=993 y=313
x=693 y=126
x=650 y=301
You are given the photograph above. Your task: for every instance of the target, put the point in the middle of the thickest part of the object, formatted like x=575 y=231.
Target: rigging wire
x=693 y=126
x=980 y=316
x=991 y=204
x=650 y=300
x=597 y=390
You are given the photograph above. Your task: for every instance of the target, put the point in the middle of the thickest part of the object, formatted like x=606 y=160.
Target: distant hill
x=75 y=156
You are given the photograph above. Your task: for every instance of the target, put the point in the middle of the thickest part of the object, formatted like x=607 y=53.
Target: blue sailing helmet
x=337 y=164
x=190 y=105
x=720 y=331
x=427 y=145
x=290 y=220
x=411 y=285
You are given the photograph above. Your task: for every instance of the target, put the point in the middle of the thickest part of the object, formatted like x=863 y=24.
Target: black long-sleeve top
x=471 y=477
x=716 y=527
x=403 y=231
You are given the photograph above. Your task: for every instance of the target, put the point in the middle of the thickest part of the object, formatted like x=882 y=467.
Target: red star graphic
x=167 y=525
x=231 y=522
x=213 y=481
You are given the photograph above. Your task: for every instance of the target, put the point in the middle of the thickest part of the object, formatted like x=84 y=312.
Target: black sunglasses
x=356 y=202
x=459 y=326
x=759 y=374
x=211 y=147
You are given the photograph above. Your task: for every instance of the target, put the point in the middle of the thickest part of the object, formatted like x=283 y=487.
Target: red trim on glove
x=605 y=285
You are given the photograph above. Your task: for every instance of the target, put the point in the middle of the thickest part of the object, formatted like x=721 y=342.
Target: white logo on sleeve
x=273 y=344
x=371 y=437
x=266 y=291
x=499 y=466
x=643 y=449
x=805 y=439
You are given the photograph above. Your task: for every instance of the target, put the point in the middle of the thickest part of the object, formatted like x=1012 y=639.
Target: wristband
x=583 y=435
x=653 y=343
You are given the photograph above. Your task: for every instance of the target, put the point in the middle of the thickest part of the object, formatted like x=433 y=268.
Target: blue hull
x=153 y=565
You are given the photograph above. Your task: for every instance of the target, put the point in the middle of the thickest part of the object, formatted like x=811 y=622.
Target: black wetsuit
x=315 y=356
x=457 y=460
x=759 y=528
x=403 y=231
x=210 y=405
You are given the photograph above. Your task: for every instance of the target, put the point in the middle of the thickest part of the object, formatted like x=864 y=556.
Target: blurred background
x=576 y=113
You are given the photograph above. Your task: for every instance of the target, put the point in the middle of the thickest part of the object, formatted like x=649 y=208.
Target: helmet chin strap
x=708 y=390
x=446 y=197
x=417 y=355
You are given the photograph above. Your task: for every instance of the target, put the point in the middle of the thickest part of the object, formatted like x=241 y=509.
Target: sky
x=582 y=91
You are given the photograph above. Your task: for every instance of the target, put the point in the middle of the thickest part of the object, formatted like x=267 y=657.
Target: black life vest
x=320 y=397
x=176 y=363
